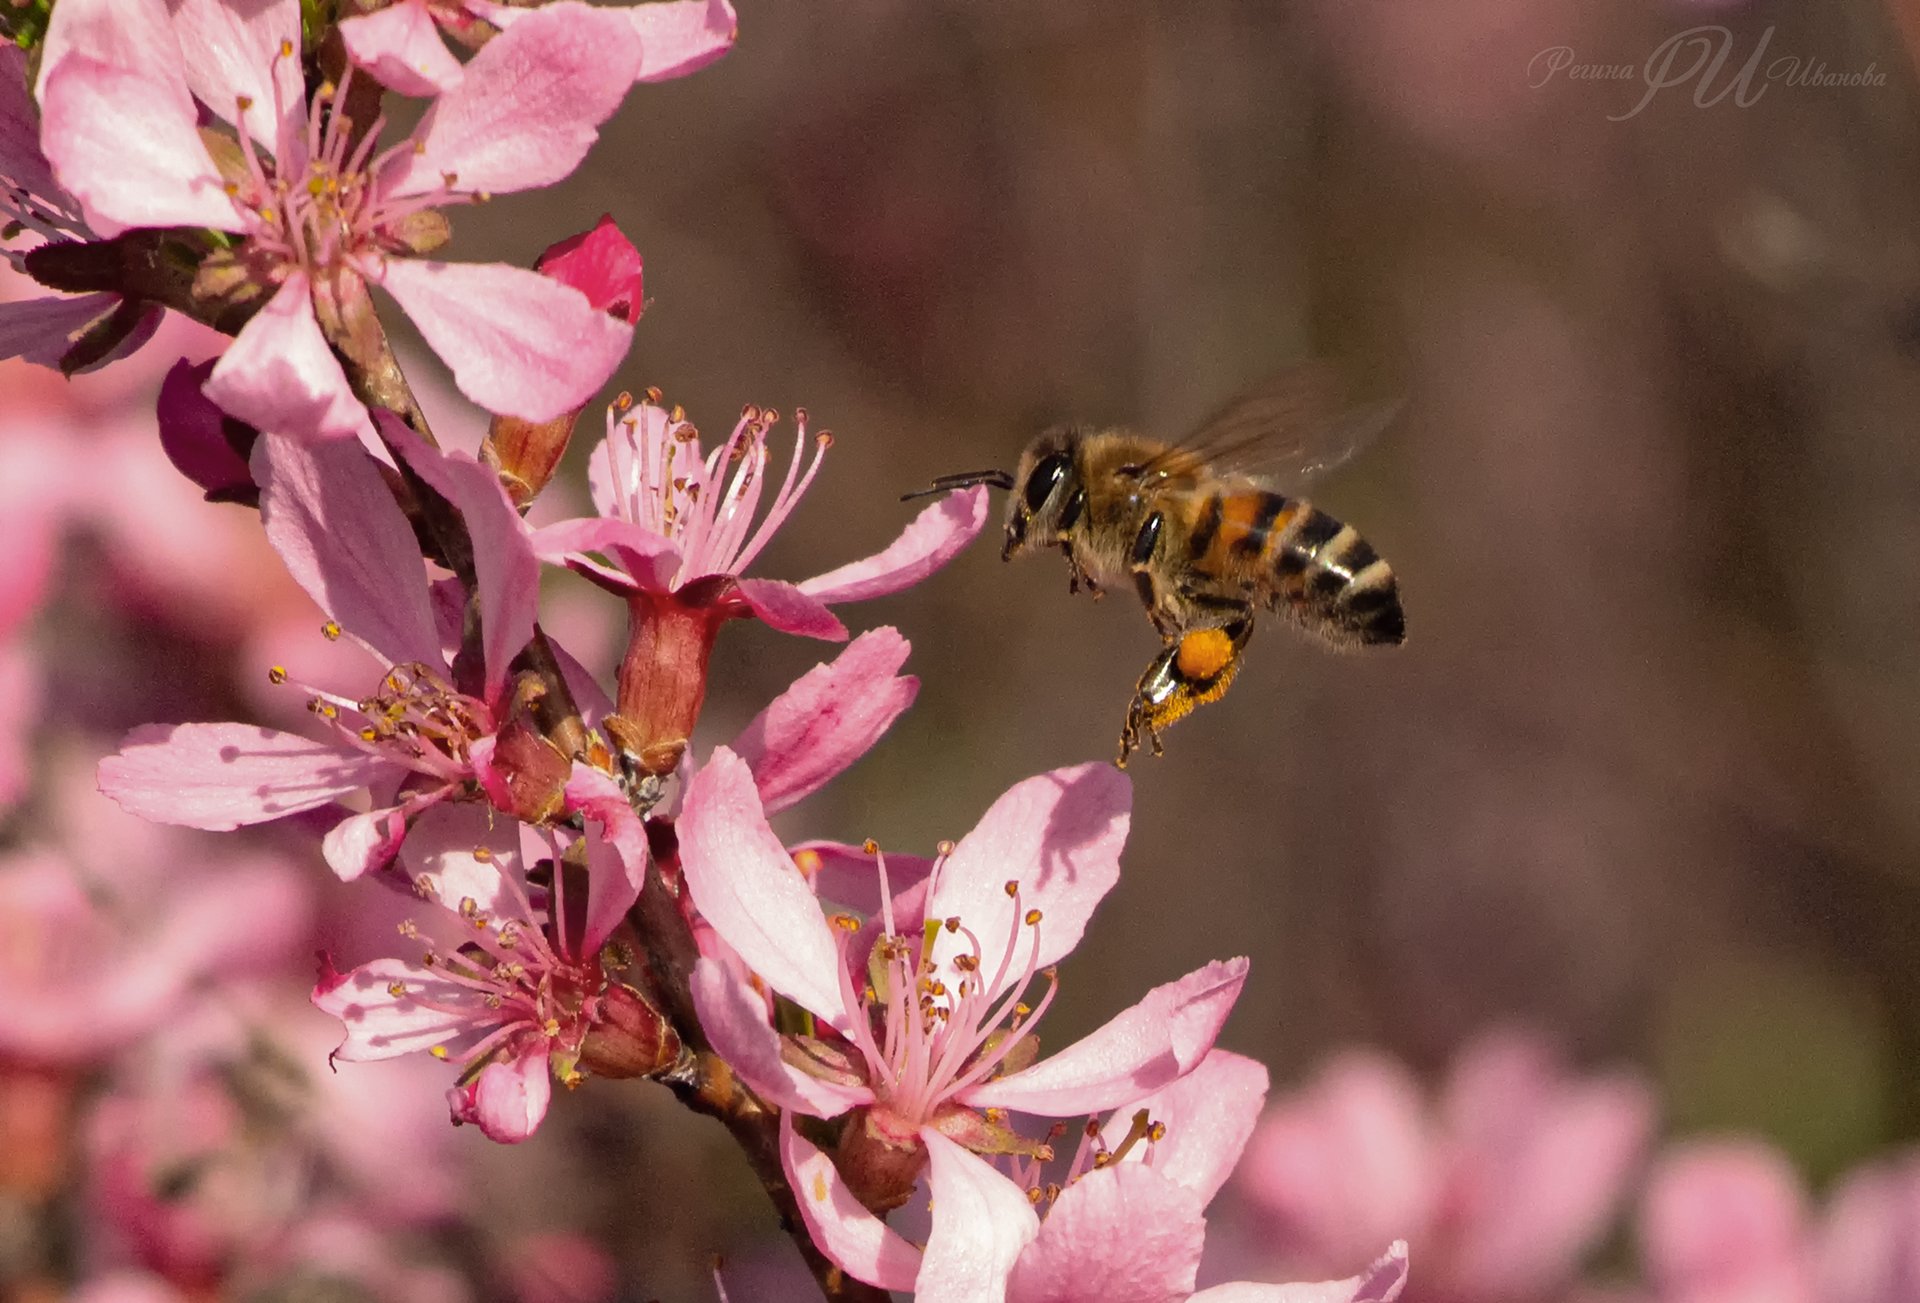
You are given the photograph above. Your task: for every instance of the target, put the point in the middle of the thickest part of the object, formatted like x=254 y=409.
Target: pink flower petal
x=1868 y=1249
x=682 y=36
x=527 y=108
x=42 y=330
x=749 y=891
x=330 y=516
x=364 y=843
x=509 y=1099
x=981 y=1222
x=647 y=557
x=429 y=1011
x=735 y=1021
x=21 y=161
x=1123 y=1234
x=545 y=358
x=278 y=375
x=1335 y=1168
x=118 y=123
x=222 y=776
x=847 y=875
x=1548 y=1158
x=1380 y=1283
x=859 y=1243
x=782 y=606
x=464 y=851
x=1144 y=1049
x=616 y=851
x=828 y=719
x=1210 y=1113
x=1059 y=835
x=934 y=537
x=1728 y=1219
x=505 y=568
x=232 y=51
x=402 y=48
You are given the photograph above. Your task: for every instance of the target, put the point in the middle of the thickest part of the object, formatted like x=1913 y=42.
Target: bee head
x=1047 y=497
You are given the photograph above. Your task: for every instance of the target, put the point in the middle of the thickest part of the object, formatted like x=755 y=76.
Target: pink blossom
x=399 y=45
x=515 y=1004
x=1499 y=1190
x=425 y=734
x=321 y=212
x=1125 y=1224
x=96 y=959
x=932 y=1042
x=1729 y=1221
x=673 y=515
x=217 y=1147
x=46 y=330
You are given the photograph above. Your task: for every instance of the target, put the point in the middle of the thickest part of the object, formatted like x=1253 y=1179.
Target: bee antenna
x=962 y=480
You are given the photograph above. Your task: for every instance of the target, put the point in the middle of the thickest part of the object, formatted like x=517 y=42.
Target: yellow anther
x=331 y=631
x=1157 y=1132
x=846 y=922
x=468 y=907
x=944 y=848
x=870 y=846
x=824 y=438
x=1021 y=1010
x=551 y=1027
x=808 y=862
x=286 y=48
x=1033 y=918
x=953 y=923
x=396 y=989
x=484 y=854
x=438 y=1051
x=277 y=675
x=1013 y=887
x=654 y=395
x=1035 y=1195
x=245 y=102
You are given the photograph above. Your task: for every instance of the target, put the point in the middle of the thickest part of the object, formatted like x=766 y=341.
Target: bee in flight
x=1196 y=530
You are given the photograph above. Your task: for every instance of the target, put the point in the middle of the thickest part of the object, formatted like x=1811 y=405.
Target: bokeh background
x=1643 y=777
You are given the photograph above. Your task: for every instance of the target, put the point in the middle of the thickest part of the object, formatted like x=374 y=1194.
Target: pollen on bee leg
x=1204 y=653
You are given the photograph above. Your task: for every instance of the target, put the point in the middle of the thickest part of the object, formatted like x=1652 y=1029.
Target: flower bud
x=204 y=443
x=603 y=265
x=880 y=1167
x=629 y=1037
x=527 y=776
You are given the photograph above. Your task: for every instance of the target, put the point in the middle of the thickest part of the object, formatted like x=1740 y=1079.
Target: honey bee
x=1203 y=539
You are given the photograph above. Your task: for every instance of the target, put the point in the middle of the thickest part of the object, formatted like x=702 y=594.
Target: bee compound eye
x=1046 y=476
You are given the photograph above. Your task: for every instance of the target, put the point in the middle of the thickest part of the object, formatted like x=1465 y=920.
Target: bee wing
x=1298 y=425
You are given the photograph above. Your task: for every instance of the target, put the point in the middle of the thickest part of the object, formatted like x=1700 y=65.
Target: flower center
x=414 y=717
x=929 y=1030
x=707 y=504
x=319 y=204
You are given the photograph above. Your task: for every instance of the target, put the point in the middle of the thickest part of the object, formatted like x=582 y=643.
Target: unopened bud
x=629 y=1037
x=528 y=776
x=204 y=443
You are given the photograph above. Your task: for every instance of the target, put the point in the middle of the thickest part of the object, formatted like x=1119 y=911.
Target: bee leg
x=1194 y=668
x=1077 y=575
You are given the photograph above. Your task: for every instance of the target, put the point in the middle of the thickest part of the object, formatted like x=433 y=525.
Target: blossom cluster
x=593 y=895
x=584 y=888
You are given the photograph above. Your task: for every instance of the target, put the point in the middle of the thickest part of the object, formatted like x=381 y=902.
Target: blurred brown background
x=1644 y=775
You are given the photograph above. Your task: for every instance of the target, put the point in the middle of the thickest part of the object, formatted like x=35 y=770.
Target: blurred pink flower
x=1726 y=1223
x=324 y=216
x=417 y=739
x=1499 y=1191
x=922 y=1049
x=398 y=44
x=1729 y=1222
x=672 y=517
x=91 y=962
x=1126 y=1225
x=225 y=1153
x=515 y=1000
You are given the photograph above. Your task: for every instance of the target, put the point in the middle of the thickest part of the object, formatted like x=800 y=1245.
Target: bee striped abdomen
x=1308 y=563
x=1333 y=580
